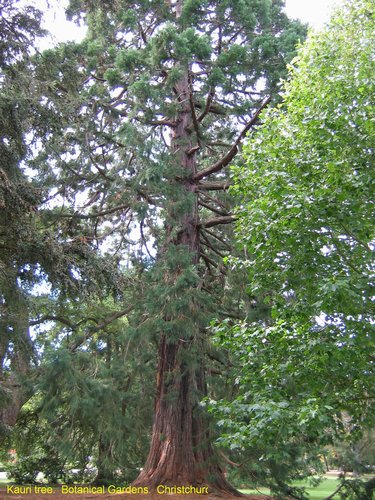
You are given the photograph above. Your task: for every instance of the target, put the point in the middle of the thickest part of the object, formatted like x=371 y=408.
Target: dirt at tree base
x=57 y=495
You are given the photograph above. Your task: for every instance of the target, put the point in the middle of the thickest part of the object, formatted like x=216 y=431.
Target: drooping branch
x=51 y=317
x=77 y=215
x=226 y=159
x=100 y=326
x=74 y=326
x=209 y=262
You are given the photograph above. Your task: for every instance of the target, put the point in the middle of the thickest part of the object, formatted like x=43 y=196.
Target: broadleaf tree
x=306 y=211
x=151 y=108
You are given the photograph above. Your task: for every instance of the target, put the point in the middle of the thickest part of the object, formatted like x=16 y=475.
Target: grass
x=325 y=488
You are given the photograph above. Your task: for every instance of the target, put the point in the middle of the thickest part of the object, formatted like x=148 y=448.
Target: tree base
x=219 y=487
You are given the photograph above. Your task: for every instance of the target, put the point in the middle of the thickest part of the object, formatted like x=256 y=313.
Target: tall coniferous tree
x=165 y=94
x=31 y=252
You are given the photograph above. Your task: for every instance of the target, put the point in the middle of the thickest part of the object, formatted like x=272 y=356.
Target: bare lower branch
x=230 y=462
x=208 y=261
x=213 y=186
x=193 y=150
x=94 y=215
x=216 y=236
x=226 y=219
x=213 y=209
x=217 y=166
x=207 y=244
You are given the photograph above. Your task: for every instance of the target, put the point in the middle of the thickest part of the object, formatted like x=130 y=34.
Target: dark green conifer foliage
x=152 y=107
x=18 y=30
x=31 y=252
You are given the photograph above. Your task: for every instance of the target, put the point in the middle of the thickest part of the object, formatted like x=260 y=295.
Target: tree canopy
x=305 y=220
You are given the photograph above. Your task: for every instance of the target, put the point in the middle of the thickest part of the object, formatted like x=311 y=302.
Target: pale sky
x=314 y=12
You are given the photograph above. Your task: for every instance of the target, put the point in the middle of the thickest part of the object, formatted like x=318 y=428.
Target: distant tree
x=306 y=220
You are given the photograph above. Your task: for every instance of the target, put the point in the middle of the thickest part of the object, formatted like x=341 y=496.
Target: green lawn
x=325 y=488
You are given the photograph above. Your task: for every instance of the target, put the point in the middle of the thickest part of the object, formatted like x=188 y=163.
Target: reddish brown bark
x=181 y=452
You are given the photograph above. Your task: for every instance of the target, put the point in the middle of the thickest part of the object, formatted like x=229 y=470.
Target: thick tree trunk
x=14 y=398
x=181 y=453
x=15 y=319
